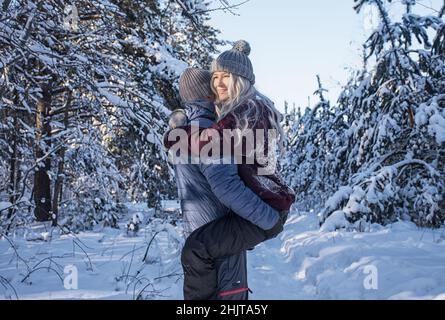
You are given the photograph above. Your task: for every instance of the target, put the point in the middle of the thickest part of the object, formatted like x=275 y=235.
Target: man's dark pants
x=220 y=242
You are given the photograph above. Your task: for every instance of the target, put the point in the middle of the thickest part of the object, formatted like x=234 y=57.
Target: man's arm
x=228 y=187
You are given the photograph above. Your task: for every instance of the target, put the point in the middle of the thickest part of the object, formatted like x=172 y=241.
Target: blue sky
x=294 y=40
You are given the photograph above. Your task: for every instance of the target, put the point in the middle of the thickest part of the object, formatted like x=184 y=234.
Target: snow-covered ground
x=399 y=261
x=108 y=264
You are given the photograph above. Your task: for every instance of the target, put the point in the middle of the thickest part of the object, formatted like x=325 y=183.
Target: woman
x=240 y=106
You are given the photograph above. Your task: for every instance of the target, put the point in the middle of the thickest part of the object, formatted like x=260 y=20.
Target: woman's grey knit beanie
x=236 y=61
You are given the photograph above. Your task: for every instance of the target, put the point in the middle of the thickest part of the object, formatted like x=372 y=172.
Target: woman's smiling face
x=220 y=82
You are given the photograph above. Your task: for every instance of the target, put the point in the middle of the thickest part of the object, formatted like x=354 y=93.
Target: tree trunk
x=57 y=196
x=12 y=190
x=42 y=184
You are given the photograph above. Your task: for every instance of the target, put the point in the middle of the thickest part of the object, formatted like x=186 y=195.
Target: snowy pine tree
x=86 y=88
x=386 y=151
x=309 y=152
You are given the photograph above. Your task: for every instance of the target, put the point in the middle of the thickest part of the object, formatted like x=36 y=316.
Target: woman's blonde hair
x=242 y=92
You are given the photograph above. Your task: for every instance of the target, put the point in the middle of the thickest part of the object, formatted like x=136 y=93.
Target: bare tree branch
x=224 y=7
